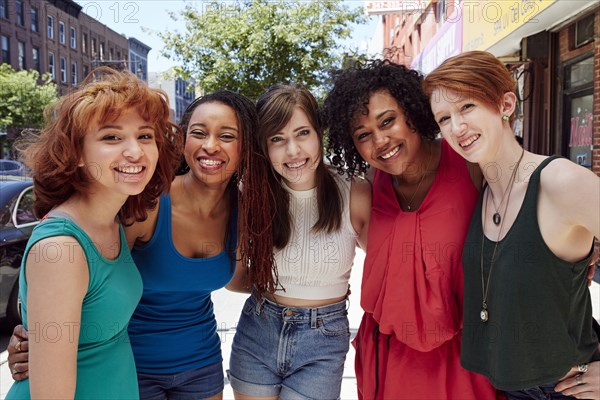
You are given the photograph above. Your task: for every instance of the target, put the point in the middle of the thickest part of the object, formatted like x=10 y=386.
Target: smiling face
x=383 y=137
x=473 y=128
x=120 y=156
x=295 y=151
x=213 y=143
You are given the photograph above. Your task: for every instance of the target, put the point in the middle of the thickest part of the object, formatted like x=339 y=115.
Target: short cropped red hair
x=54 y=154
x=473 y=74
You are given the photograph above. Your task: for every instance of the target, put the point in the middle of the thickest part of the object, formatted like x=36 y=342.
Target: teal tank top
x=105 y=364
x=540 y=314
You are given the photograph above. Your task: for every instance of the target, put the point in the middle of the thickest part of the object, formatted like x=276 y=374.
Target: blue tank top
x=173 y=329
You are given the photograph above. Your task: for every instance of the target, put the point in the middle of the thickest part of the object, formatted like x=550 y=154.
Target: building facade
x=551 y=47
x=181 y=93
x=138 y=58
x=56 y=37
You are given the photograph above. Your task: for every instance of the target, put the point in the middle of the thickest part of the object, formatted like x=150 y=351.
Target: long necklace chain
x=409 y=203
x=485 y=286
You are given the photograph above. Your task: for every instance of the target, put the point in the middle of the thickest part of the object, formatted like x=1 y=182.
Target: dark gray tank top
x=540 y=312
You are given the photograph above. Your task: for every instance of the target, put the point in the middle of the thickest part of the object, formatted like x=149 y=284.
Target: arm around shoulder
x=360 y=209
x=57 y=280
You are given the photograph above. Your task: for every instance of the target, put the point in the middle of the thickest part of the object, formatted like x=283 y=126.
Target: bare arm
x=360 y=209
x=141 y=232
x=57 y=280
x=240 y=282
x=569 y=209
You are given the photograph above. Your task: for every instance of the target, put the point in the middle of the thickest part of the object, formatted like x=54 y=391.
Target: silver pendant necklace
x=485 y=285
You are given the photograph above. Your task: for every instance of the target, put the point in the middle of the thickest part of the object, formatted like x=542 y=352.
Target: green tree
x=24 y=96
x=249 y=46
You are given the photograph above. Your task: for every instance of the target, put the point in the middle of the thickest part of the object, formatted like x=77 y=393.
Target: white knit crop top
x=316 y=266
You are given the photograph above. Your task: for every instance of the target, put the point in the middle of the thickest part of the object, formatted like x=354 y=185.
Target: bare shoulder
x=360 y=192
x=57 y=261
x=562 y=177
x=360 y=209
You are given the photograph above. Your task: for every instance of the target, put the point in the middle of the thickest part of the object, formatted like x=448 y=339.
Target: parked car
x=12 y=167
x=17 y=220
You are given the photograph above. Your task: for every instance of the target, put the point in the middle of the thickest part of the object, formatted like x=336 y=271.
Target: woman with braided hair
x=291 y=342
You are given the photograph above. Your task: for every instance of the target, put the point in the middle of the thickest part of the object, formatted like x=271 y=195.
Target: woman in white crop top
x=291 y=341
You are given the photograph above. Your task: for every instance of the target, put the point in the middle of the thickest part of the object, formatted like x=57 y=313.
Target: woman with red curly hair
x=107 y=152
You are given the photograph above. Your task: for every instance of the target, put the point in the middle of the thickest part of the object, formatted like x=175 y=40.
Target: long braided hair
x=247 y=185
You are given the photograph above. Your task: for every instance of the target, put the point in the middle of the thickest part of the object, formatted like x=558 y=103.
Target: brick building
x=55 y=36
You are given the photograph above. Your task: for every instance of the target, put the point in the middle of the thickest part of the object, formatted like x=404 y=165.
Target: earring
x=505 y=118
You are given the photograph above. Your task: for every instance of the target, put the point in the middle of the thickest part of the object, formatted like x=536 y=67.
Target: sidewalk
x=228 y=306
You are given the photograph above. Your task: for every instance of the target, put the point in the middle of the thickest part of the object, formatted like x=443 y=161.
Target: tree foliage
x=249 y=46
x=23 y=99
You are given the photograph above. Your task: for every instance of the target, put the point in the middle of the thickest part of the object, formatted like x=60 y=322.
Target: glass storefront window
x=580 y=134
x=580 y=73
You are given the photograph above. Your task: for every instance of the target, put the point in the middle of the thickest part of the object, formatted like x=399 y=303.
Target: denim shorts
x=200 y=383
x=293 y=353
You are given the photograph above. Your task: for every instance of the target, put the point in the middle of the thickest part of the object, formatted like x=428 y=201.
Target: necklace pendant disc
x=483 y=315
x=496 y=218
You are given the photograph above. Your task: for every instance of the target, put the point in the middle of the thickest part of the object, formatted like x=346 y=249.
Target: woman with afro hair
x=408 y=343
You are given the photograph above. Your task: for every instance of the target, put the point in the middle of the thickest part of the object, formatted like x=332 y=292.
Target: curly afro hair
x=349 y=99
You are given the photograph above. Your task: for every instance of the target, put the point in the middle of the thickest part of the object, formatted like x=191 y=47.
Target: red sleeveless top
x=412 y=292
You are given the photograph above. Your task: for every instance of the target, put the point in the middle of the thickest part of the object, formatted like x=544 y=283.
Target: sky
x=131 y=17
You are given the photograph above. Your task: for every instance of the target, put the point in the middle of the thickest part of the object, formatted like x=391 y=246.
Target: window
x=110 y=54
x=61 y=32
x=4 y=8
x=5 y=49
x=50 y=28
x=93 y=47
x=74 y=73
x=19 y=12
x=84 y=40
x=34 y=20
x=25 y=214
x=584 y=31
x=86 y=71
x=35 y=57
x=21 y=50
x=101 y=51
x=51 y=65
x=578 y=110
x=63 y=70
x=440 y=12
x=73 y=38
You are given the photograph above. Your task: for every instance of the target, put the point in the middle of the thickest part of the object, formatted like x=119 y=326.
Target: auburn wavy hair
x=275 y=109
x=248 y=190
x=349 y=99
x=103 y=96
x=474 y=74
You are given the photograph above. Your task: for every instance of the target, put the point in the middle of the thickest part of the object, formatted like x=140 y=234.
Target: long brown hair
x=104 y=95
x=275 y=109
